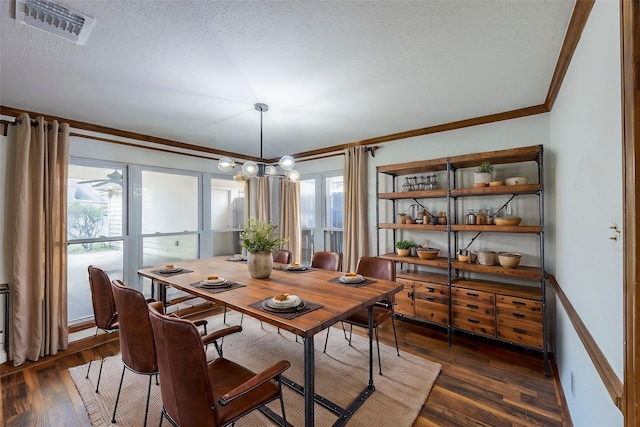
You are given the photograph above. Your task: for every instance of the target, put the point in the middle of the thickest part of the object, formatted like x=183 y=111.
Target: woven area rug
x=341 y=374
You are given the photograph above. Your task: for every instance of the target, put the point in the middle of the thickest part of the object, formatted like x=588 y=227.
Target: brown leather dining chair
x=283 y=256
x=327 y=260
x=207 y=394
x=136 y=337
x=104 y=307
x=378 y=268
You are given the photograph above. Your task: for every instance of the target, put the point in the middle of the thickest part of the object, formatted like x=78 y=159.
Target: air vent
x=55 y=19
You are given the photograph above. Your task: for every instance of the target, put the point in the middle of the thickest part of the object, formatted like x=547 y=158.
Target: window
x=227 y=216
x=321 y=213
x=96 y=204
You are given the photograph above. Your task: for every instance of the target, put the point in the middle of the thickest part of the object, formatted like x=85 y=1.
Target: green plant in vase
x=260 y=239
x=403 y=247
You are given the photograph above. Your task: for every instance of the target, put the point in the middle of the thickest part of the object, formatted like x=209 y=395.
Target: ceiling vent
x=55 y=19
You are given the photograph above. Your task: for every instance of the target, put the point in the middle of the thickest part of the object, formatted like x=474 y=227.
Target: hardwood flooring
x=480 y=384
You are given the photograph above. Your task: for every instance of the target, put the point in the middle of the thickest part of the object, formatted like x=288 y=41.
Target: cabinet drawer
x=477 y=324
x=431 y=292
x=521 y=332
x=404 y=298
x=474 y=308
x=510 y=313
x=472 y=295
x=521 y=304
x=432 y=311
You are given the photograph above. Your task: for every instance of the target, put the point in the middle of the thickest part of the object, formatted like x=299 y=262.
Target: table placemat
x=353 y=285
x=232 y=285
x=294 y=271
x=171 y=274
x=311 y=306
x=236 y=260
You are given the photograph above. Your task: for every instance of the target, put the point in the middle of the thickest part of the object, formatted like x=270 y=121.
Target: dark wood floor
x=480 y=384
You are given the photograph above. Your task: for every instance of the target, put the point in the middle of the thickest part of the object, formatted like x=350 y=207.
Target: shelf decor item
x=483 y=175
x=403 y=247
x=428 y=253
x=509 y=259
x=260 y=239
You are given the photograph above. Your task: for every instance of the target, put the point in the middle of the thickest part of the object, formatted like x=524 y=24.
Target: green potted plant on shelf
x=260 y=238
x=483 y=175
x=403 y=247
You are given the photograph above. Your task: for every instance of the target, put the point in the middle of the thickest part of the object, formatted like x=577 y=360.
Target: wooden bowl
x=507 y=221
x=427 y=253
x=509 y=259
x=495 y=183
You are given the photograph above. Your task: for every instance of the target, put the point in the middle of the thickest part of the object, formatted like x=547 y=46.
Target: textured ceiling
x=332 y=72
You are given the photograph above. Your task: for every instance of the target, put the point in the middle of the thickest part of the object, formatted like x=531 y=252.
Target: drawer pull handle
x=430 y=298
x=472 y=295
x=473 y=320
x=518 y=315
x=518 y=303
x=430 y=289
x=472 y=306
x=520 y=331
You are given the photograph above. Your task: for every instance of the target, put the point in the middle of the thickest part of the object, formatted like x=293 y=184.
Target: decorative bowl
x=427 y=253
x=517 y=180
x=486 y=257
x=495 y=183
x=509 y=259
x=463 y=258
x=507 y=221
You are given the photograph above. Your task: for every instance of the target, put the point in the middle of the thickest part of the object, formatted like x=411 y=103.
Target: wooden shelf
x=519 y=271
x=440 y=262
x=496 y=228
x=496 y=191
x=421 y=227
x=411 y=168
x=513 y=155
x=414 y=194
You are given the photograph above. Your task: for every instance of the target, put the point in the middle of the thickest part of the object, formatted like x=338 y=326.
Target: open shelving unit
x=503 y=304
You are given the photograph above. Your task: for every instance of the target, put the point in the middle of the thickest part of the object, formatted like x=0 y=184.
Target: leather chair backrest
x=379 y=268
x=136 y=336
x=184 y=380
x=327 y=260
x=104 y=305
x=283 y=256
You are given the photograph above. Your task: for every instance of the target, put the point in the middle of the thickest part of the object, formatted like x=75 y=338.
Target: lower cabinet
x=510 y=313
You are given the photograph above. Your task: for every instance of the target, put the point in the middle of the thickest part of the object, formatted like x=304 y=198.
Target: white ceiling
x=332 y=72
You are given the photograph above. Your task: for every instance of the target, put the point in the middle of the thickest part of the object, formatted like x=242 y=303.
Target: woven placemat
x=311 y=306
x=353 y=285
x=183 y=271
x=232 y=285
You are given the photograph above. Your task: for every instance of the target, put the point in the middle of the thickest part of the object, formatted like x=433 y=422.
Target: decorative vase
x=482 y=178
x=260 y=264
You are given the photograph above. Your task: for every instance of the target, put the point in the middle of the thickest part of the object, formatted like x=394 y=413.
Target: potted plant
x=483 y=175
x=260 y=239
x=403 y=247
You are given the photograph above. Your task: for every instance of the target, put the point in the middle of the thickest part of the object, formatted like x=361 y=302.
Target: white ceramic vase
x=260 y=264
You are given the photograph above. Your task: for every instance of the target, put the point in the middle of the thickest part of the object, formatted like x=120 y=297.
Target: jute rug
x=341 y=374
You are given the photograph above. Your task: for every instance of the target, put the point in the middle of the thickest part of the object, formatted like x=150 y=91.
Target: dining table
x=326 y=301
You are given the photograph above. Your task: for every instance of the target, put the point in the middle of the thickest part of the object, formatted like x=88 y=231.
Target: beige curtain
x=356 y=236
x=39 y=288
x=290 y=217
x=263 y=205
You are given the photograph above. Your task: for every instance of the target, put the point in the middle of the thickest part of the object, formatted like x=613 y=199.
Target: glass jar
x=406 y=185
x=489 y=216
x=481 y=217
x=470 y=219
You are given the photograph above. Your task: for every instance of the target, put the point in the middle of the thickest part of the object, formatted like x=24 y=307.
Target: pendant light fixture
x=252 y=169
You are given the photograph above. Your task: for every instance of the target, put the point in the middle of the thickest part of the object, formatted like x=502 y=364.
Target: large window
x=96 y=202
x=322 y=217
x=227 y=216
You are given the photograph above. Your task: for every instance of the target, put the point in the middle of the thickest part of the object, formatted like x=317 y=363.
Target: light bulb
x=293 y=175
x=238 y=176
x=250 y=168
x=287 y=163
x=225 y=164
x=270 y=170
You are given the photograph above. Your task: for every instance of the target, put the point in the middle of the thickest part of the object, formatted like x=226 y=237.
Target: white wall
x=585 y=135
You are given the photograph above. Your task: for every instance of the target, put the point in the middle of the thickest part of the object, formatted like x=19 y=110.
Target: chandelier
x=252 y=169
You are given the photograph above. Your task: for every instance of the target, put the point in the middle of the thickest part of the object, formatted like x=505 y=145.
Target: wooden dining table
x=315 y=286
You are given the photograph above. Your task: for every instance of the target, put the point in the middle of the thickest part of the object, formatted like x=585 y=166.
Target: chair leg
x=284 y=416
x=394 y=335
x=326 y=340
x=146 y=412
x=99 y=374
x=113 y=419
x=157 y=382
